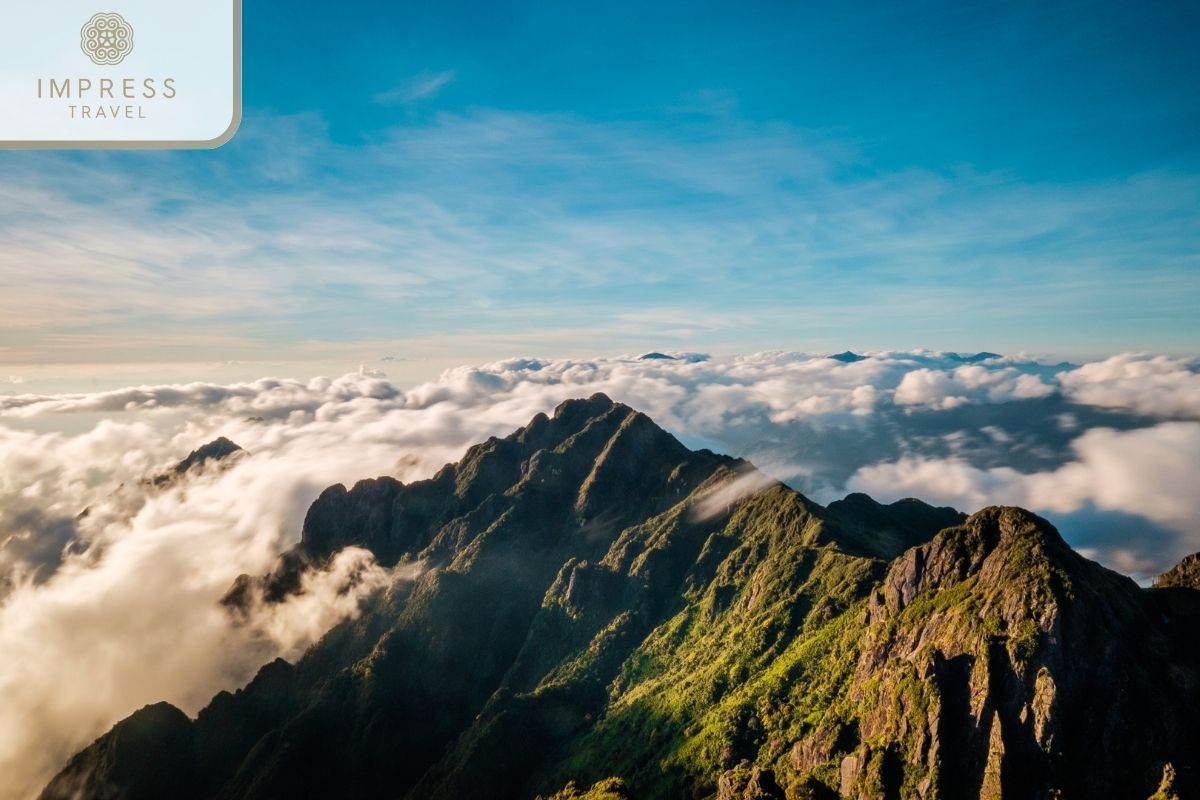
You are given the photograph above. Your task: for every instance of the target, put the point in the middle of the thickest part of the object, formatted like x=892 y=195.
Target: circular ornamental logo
x=106 y=38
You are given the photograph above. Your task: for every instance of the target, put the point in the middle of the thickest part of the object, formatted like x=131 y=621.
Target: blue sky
x=454 y=182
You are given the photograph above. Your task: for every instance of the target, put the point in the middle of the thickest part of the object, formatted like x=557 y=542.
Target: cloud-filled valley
x=104 y=611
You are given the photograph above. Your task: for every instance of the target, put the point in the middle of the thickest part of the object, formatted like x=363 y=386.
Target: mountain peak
x=215 y=452
x=1007 y=524
x=1185 y=574
x=972 y=359
x=1002 y=546
x=593 y=406
x=869 y=527
x=146 y=752
x=611 y=461
x=598 y=603
x=999 y=637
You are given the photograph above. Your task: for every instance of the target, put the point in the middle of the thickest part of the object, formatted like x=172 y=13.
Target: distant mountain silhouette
x=973 y=359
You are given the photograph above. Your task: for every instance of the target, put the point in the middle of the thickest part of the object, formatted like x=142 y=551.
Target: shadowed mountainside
x=602 y=613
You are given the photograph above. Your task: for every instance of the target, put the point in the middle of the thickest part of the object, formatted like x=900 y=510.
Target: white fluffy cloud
x=1155 y=385
x=130 y=614
x=786 y=385
x=1147 y=472
x=942 y=389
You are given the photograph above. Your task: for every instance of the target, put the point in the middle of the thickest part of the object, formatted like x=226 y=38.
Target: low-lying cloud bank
x=1147 y=473
x=103 y=612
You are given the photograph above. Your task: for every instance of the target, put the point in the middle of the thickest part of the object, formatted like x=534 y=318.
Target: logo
x=106 y=39
x=177 y=83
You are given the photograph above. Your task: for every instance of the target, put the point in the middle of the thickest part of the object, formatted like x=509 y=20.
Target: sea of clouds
x=103 y=612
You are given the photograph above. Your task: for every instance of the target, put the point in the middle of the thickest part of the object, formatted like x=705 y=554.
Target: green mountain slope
x=602 y=613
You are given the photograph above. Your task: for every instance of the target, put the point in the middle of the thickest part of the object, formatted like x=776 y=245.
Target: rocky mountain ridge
x=601 y=612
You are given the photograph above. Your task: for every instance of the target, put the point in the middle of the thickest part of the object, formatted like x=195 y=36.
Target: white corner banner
x=120 y=73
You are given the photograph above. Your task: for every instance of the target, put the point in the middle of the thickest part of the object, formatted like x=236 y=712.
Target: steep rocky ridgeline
x=1184 y=575
x=602 y=613
x=997 y=662
x=220 y=453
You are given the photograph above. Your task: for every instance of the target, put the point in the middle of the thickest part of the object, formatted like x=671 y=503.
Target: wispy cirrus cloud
x=422 y=86
x=718 y=235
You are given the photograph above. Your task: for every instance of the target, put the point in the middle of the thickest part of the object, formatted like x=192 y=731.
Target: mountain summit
x=598 y=606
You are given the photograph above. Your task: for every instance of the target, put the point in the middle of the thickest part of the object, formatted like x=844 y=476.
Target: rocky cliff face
x=999 y=663
x=1184 y=575
x=602 y=613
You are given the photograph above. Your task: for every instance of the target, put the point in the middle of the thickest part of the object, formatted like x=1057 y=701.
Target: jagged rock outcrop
x=219 y=451
x=748 y=782
x=600 y=607
x=1184 y=575
x=999 y=663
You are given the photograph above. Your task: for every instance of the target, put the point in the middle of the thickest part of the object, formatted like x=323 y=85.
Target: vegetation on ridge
x=603 y=615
